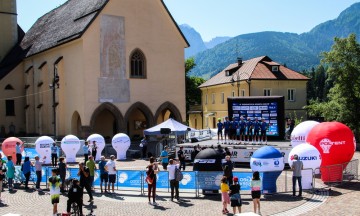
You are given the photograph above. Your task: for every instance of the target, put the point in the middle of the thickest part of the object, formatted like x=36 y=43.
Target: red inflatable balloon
x=9 y=147
x=335 y=142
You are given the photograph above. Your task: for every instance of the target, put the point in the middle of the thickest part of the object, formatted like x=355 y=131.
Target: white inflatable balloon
x=70 y=145
x=43 y=148
x=100 y=143
x=300 y=132
x=311 y=159
x=121 y=143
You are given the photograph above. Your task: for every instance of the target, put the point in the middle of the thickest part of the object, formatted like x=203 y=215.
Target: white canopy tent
x=176 y=128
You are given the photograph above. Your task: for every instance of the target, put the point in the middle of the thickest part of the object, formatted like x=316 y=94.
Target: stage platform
x=239 y=152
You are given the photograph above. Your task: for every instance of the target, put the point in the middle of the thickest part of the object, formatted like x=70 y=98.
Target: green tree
x=193 y=93
x=343 y=99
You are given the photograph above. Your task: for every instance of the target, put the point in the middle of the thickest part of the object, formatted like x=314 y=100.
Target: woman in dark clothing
x=152 y=170
x=94 y=150
x=26 y=169
x=235 y=197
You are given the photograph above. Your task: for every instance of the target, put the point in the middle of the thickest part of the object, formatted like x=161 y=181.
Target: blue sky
x=213 y=18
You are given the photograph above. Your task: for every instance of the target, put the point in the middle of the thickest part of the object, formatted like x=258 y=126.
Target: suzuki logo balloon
x=100 y=143
x=9 y=147
x=70 y=145
x=335 y=142
x=121 y=143
x=301 y=131
x=267 y=159
x=43 y=147
x=311 y=159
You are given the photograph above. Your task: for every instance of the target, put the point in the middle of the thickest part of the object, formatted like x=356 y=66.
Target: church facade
x=94 y=66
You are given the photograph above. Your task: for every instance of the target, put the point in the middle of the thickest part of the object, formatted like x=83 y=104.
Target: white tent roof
x=174 y=126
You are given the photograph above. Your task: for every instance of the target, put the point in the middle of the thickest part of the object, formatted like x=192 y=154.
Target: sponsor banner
x=272 y=164
x=188 y=181
x=209 y=180
x=19 y=176
x=162 y=180
x=129 y=178
x=244 y=155
x=245 y=179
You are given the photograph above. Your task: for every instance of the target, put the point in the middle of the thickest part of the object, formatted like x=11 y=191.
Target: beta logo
x=276 y=162
x=257 y=163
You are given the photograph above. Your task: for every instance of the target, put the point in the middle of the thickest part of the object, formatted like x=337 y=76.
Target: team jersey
x=220 y=125
x=263 y=125
x=226 y=125
x=249 y=124
x=242 y=124
x=234 y=124
x=256 y=125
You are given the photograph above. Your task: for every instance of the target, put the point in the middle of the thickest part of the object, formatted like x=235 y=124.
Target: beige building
x=255 y=77
x=112 y=65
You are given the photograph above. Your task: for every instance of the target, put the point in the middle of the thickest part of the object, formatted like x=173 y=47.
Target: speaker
x=165 y=130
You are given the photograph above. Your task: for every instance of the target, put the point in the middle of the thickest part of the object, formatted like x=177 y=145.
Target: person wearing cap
x=296 y=167
x=235 y=197
x=181 y=157
x=84 y=174
x=75 y=195
x=256 y=125
x=220 y=127
x=104 y=176
x=264 y=127
x=249 y=127
x=111 y=168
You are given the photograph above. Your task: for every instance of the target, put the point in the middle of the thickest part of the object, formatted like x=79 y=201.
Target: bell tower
x=8 y=27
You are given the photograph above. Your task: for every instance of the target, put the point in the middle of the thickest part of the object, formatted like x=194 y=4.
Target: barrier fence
x=194 y=181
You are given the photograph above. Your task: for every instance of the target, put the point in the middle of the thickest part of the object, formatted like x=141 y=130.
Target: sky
x=212 y=18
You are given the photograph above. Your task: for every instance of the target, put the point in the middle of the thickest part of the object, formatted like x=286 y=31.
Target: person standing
x=256 y=191
x=62 y=173
x=249 y=127
x=174 y=185
x=10 y=173
x=220 y=127
x=226 y=128
x=54 y=154
x=256 y=125
x=229 y=169
x=224 y=187
x=18 y=153
x=296 y=167
x=111 y=168
x=143 y=145
x=242 y=126
x=2 y=174
x=92 y=167
x=86 y=151
x=94 y=150
x=264 y=127
x=235 y=197
x=38 y=170
x=151 y=170
x=103 y=173
x=164 y=156
x=181 y=157
x=194 y=153
x=84 y=174
x=54 y=185
x=26 y=170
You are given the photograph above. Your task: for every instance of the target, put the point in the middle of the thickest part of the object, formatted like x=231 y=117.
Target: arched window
x=9 y=87
x=137 y=64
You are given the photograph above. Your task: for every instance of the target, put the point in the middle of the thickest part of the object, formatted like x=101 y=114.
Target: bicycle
x=75 y=210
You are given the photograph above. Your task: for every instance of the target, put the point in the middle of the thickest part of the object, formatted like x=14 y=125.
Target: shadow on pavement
x=161 y=208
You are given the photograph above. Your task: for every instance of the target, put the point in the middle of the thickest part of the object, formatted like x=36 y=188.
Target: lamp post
x=54 y=86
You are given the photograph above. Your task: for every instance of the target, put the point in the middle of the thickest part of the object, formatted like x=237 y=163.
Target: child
x=62 y=173
x=235 y=197
x=10 y=172
x=256 y=191
x=224 y=194
x=54 y=184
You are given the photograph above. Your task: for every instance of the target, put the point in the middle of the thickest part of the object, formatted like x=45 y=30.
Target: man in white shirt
x=111 y=168
x=173 y=183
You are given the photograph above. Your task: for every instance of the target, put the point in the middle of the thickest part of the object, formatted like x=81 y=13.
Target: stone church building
x=91 y=66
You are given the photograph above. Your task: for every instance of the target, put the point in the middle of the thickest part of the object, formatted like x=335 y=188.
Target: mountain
x=194 y=38
x=297 y=51
x=215 y=41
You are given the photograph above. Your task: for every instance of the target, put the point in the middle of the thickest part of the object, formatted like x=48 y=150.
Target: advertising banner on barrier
x=245 y=179
x=129 y=178
x=162 y=180
x=209 y=180
x=188 y=181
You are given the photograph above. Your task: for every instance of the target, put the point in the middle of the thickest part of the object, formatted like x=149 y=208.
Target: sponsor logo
x=326 y=144
x=276 y=162
x=186 y=179
x=71 y=142
x=122 y=177
x=234 y=154
x=247 y=154
x=257 y=163
x=204 y=161
x=45 y=145
x=305 y=158
x=298 y=138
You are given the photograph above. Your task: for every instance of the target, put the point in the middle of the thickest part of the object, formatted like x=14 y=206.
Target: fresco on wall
x=113 y=85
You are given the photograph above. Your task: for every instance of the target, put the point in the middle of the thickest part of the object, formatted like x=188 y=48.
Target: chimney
x=239 y=61
x=8 y=26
